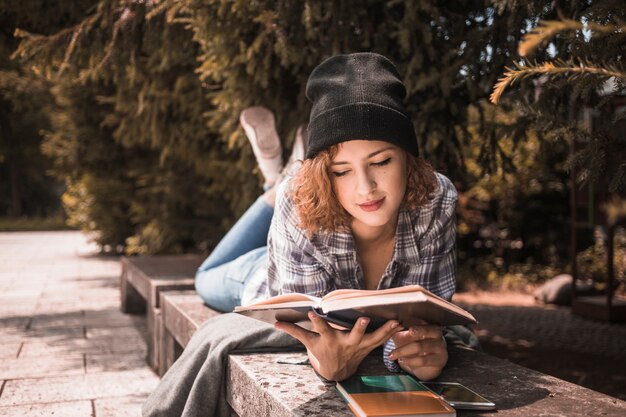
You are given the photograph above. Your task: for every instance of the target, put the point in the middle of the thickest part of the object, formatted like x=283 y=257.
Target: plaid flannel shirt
x=424 y=254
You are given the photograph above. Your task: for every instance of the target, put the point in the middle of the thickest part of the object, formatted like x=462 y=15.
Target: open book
x=409 y=305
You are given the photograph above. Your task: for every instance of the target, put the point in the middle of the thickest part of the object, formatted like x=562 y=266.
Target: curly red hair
x=319 y=209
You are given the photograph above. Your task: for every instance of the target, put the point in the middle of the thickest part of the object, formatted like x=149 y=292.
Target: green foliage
x=527 y=186
x=22 y=224
x=28 y=189
x=145 y=99
x=592 y=262
x=128 y=134
x=262 y=53
x=578 y=62
x=491 y=272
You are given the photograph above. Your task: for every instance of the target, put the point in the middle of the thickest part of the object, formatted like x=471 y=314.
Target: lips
x=372 y=205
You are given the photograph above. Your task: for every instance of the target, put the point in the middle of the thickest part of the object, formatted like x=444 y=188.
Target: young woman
x=363 y=211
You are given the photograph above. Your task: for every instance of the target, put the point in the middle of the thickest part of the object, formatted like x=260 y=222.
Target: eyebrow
x=368 y=156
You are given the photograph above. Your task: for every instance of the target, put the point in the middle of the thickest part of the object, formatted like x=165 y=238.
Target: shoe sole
x=260 y=127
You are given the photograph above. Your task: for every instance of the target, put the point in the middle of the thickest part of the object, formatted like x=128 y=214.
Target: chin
x=374 y=221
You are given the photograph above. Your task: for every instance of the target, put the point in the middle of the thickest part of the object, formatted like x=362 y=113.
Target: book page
x=347 y=293
x=282 y=299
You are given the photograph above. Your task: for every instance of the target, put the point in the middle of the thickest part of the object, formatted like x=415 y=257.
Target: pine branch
x=547 y=29
x=556 y=68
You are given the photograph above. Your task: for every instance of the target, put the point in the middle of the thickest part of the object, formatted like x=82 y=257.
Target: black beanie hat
x=357 y=96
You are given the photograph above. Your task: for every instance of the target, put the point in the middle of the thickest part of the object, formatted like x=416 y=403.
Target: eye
x=340 y=173
x=381 y=163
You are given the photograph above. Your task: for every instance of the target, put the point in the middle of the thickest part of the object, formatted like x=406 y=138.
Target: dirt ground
x=550 y=339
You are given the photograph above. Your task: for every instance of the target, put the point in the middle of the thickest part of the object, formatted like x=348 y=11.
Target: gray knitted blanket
x=195 y=385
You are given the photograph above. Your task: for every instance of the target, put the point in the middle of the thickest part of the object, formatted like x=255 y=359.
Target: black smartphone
x=459 y=396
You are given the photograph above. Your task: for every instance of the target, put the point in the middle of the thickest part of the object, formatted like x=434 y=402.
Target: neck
x=365 y=235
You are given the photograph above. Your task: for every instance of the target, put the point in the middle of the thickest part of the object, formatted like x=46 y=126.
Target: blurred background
x=120 y=118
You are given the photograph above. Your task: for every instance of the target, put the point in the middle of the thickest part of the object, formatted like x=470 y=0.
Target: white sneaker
x=298 y=152
x=259 y=125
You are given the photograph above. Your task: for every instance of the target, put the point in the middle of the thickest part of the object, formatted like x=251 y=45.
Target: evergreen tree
x=572 y=61
x=25 y=188
x=147 y=97
x=128 y=133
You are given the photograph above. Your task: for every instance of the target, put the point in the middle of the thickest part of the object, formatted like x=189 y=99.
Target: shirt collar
x=405 y=250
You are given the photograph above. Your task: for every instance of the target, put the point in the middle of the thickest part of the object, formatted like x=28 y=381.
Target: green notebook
x=391 y=395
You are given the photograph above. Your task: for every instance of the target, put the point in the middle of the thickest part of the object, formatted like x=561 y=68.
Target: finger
x=419 y=348
x=401 y=338
x=303 y=335
x=320 y=325
x=423 y=332
x=358 y=330
x=382 y=334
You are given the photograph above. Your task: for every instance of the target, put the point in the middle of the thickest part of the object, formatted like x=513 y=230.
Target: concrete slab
x=55 y=335
x=54 y=289
x=19 y=368
x=9 y=350
x=115 y=362
x=81 y=387
x=127 y=331
x=119 y=407
x=14 y=322
x=89 y=319
x=73 y=409
x=85 y=346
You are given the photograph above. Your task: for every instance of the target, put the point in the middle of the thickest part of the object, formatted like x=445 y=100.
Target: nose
x=365 y=183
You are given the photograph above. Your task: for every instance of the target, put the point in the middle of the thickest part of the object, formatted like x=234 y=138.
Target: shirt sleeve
x=292 y=264
x=391 y=366
x=437 y=246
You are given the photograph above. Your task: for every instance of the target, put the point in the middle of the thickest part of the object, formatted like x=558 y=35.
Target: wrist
x=334 y=371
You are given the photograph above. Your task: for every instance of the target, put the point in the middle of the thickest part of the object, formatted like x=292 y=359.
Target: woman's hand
x=336 y=354
x=421 y=351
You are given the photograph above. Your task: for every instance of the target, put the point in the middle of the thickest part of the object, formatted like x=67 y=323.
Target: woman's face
x=369 y=179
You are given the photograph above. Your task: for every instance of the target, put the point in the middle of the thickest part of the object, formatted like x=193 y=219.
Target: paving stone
x=24 y=308
x=9 y=350
x=72 y=319
x=85 y=346
x=75 y=306
x=115 y=362
x=18 y=368
x=65 y=409
x=54 y=335
x=15 y=294
x=13 y=322
x=83 y=319
x=119 y=407
x=128 y=331
x=80 y=387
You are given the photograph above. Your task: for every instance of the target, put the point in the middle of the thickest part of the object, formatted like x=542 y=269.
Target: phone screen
x=459 y=396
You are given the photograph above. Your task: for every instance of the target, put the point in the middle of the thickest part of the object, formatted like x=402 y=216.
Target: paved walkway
x=65 y=347
x=67 y=350
x=551 y=340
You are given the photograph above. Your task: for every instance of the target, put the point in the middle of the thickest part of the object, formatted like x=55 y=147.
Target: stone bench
x=182 y=312
x=143 y=278
x=257 y=385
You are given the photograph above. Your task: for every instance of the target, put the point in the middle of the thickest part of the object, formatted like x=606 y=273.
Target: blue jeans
x=222 y=277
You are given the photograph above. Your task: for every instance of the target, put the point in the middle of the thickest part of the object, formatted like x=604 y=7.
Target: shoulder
x=285 y=210
x=286 y=218
x=443 y=198
x=440 y=207
x=446 y=191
